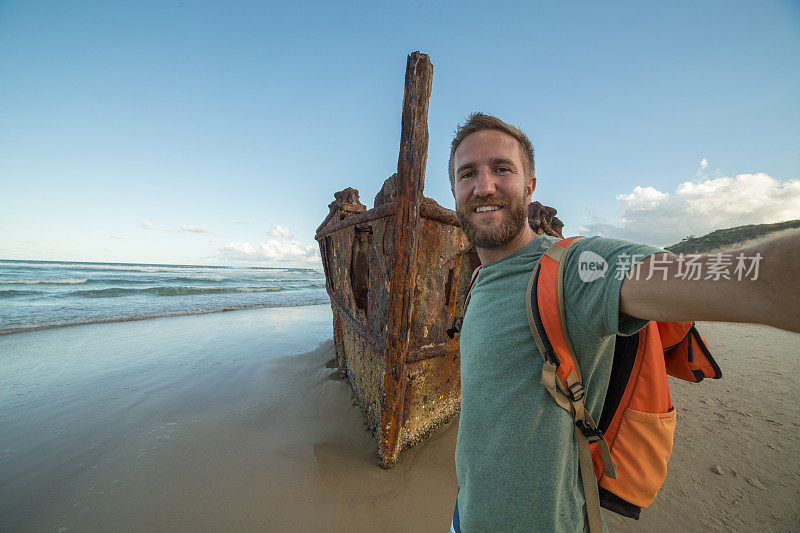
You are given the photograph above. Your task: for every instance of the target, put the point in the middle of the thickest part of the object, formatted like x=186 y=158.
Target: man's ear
x=453 y=191
x=530 y=187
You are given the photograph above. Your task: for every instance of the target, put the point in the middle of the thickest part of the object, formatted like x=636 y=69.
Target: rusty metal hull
x=359 y=249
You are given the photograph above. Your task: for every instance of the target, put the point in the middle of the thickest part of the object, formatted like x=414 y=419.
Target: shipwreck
x=397 y=276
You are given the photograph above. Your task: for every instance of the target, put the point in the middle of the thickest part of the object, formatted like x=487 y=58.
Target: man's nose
x=484 y=185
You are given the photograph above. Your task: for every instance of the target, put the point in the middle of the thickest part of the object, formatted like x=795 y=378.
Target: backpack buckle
x=455 y=328
x=576 y=391
x=592 y=434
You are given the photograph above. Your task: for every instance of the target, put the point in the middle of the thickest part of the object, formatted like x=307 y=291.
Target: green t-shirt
x=516 y=456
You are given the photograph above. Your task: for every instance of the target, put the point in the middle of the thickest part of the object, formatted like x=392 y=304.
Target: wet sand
x=232 y=421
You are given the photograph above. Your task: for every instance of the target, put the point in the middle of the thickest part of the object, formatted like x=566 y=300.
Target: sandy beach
x=231 y=421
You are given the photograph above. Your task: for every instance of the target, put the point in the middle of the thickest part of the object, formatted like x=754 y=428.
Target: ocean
x=44 y=294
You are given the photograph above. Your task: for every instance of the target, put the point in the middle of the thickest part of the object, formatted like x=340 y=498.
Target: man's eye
x=503 y=169
x=466 y=175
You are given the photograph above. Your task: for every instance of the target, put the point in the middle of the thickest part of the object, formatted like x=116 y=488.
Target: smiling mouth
x=487 y=208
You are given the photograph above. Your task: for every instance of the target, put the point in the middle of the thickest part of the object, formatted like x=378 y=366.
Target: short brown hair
x=478 y=122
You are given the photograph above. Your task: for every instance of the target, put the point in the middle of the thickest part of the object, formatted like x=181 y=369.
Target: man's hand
x=672 y=293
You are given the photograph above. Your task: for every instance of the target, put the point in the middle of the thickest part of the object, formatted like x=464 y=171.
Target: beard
x=510 y=226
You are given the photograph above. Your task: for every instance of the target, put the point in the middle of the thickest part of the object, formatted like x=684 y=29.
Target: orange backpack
x=623 y=459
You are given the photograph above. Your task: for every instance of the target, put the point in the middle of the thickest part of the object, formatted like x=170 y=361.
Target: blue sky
x=217 y=132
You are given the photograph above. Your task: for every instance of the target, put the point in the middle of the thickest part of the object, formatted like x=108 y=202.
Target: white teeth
x=485 y=208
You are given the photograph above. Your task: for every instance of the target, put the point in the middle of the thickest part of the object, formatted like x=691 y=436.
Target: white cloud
x=699 y=207
x=146 y=224
x=280 y=231
x=704 y=163
x=285 y=250
x=196 y=229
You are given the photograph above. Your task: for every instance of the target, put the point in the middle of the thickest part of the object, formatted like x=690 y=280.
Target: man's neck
x=490 y=255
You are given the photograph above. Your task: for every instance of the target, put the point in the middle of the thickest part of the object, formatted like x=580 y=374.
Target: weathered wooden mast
x=410 y=184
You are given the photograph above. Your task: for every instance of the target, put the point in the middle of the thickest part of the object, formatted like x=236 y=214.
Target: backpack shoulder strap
x=459 y=320
x=547 y=317
x=561 y=373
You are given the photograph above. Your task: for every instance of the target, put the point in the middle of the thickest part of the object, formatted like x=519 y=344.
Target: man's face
x=491 y=190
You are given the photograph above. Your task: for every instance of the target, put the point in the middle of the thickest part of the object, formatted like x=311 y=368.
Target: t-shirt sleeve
x=593 y=273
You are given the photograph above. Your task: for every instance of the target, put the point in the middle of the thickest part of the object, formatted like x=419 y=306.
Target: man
x=516 y=458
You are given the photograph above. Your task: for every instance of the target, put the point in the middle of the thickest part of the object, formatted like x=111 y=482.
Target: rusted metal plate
x=397 y=276
x=542 y=219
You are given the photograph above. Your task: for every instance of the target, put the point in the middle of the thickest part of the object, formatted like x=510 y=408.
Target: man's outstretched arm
x=763 y=286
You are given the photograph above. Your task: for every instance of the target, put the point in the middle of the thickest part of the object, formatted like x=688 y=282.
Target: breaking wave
x=117 y=292
x=12 y=293
x=19 y=328
x=43 y=294
x=293 y=280
x=60 y=281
